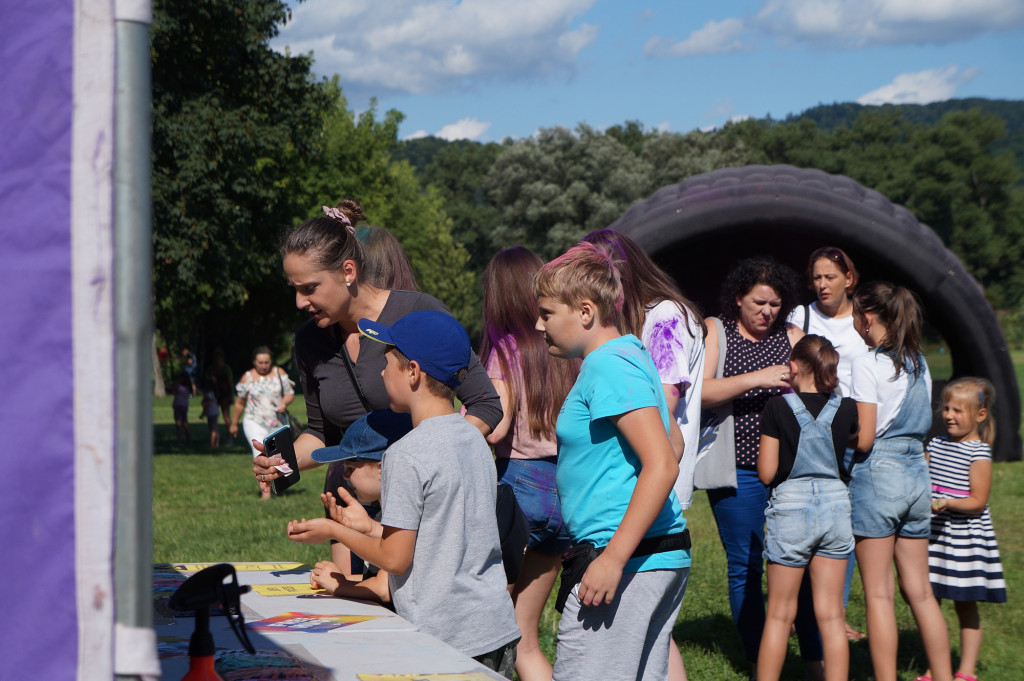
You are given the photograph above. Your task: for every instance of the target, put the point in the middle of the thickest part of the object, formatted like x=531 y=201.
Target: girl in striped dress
x=963 y=558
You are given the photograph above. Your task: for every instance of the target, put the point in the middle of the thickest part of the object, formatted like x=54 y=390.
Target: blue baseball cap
x=434 y=340
x=367 y=438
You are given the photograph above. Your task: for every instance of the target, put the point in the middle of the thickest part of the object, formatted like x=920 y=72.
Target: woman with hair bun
x=890 y=489
x=324 y=261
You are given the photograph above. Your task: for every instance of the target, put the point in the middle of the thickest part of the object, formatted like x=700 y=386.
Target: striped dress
x=962 y=554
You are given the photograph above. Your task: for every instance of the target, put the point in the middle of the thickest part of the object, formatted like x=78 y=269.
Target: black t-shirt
x=333 y=402
x=778 y=421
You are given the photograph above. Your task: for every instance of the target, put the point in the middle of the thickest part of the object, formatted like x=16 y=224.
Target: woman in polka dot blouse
x=757 y=297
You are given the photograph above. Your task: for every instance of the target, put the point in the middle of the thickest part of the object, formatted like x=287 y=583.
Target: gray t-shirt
x=440 y=481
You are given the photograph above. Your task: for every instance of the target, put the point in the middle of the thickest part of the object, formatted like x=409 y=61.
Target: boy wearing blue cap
x=439 y=539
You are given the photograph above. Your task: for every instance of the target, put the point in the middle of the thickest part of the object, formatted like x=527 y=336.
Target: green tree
x=354 y=159
x=557 y=186
x=232 y=119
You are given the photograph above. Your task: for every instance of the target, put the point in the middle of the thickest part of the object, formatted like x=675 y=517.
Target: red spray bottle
x=216 y=585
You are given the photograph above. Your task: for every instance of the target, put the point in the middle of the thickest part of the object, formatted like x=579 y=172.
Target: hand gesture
x=263 y=467
x=315 y=531
x=328 y=576
x=352 y=514
x=776 y=376
x=600 y=581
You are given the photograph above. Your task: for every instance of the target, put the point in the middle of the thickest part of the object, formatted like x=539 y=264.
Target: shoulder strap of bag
x=807 y=318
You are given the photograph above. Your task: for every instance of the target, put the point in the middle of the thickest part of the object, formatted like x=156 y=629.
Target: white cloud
x=426 y=46
x=466 y=129
x=854 y=23
x=715 y=37
x=923 y=87
x=847 y=24
x=419 y=134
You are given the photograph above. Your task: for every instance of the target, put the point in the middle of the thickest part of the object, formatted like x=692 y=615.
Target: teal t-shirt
x=597 y=469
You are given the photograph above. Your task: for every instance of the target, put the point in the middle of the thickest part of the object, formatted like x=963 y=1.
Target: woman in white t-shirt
x=832 y=276
x=673 y=332
x=890 y=488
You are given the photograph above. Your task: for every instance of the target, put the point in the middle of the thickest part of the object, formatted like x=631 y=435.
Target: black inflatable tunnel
x=697 y=229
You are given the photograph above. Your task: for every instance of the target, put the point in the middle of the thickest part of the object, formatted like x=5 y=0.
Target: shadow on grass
x=165 y=441
x=716 y=636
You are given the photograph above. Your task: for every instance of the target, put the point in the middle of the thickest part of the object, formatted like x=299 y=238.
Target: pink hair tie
x=336 y=214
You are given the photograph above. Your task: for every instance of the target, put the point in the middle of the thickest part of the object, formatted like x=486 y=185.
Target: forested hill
x=828 y=117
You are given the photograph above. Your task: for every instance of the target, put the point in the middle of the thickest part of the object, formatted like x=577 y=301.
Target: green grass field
x=206 y=508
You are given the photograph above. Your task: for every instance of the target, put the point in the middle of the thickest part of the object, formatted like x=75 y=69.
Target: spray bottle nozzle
x=216 y=585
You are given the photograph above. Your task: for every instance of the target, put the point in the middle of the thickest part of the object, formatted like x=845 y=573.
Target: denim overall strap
x=914 y=417
x=815 y=453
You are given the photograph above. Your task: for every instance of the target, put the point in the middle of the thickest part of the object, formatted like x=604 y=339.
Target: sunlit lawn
x=207 y=508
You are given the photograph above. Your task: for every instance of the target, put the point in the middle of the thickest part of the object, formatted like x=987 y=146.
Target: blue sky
x=490 y=69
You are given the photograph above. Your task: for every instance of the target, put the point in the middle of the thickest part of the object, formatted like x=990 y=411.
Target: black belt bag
x=578 y=558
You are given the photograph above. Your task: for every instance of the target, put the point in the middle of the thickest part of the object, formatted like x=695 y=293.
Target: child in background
x=182 y=394
x=211 y=412
x=962 y=556
x=804 y=436
x=623 y=580
x=438 y=496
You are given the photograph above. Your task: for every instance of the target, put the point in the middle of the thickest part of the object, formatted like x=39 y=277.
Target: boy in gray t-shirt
x=438 y=538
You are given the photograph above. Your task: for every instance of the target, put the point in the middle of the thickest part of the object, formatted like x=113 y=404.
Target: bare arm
x=672 y=394
x=718 y=391
x=768 y=459
x=867 y=416
x=500 y=430
x=326 y=575
x=392 y=551
x=980 y=478
x=645 y=433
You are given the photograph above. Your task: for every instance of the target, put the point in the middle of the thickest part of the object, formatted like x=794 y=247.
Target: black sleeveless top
x=744 y=356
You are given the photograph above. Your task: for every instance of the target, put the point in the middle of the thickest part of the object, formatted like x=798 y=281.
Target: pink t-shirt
x=518 y=443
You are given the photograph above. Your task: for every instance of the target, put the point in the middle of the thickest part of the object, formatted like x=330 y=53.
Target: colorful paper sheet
x=308 y=622
x=286 y=589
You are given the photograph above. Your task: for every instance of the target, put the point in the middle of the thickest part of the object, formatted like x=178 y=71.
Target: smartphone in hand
x=280 y=443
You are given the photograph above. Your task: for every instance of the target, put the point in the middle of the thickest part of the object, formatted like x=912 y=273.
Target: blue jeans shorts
x=891 y=494
x=533 y=483
x=806 y=518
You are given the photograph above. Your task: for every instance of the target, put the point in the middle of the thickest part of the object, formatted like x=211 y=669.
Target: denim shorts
x=533 y=482
x=891 y=493
x=805 y=518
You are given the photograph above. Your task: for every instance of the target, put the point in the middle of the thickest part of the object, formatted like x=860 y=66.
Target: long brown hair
x=819 y=355
x=509 y=319
x=898 y=310
x=385 y=262
x=643 y=282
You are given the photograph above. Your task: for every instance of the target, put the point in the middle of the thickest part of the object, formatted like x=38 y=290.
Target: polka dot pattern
x=742 y=357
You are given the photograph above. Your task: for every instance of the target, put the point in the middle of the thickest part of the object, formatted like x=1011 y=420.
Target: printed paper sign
x=239 y=567
x=286 y=589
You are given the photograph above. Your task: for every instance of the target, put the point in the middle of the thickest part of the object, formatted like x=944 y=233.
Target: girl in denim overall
x=889 y=487
x=808 y=517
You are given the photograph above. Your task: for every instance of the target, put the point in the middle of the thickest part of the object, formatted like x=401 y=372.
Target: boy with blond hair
x=624 y=577
x=438 y=538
